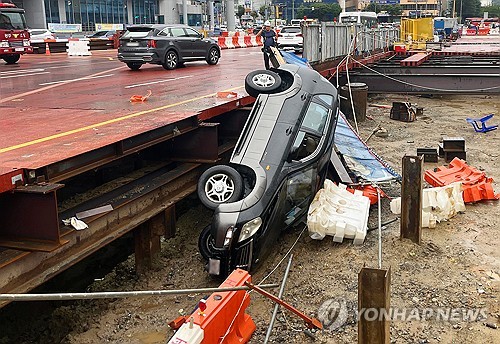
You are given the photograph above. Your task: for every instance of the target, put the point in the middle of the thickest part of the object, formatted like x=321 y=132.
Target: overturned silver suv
x=279 y=162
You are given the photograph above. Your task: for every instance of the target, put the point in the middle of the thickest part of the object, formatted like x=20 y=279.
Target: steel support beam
x=411 y=193
x=374 y=299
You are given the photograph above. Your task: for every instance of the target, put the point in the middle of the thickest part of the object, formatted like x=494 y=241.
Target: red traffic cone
x=47 y=48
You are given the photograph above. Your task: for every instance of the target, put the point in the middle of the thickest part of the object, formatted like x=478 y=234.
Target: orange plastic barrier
x=212 y=323
x=259 y=41
x=458 y=171
x=475 y=185
x=368 y=191
x=483 y=31
x=224 y=34
x=248 y=41
x=477 y=192
x=471 y=32
x=235 y=42
x=221 y=41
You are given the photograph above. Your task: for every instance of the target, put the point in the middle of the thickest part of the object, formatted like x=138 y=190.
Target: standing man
x=269 y=40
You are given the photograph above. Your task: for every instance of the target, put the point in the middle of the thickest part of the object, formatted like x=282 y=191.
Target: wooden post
x=374 y=302
x=411 y=198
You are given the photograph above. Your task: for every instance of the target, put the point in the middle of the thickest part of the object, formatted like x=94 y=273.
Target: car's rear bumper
x=294 y=46
x=139 y=57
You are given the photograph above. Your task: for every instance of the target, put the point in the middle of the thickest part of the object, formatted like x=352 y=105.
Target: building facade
x=91 y=13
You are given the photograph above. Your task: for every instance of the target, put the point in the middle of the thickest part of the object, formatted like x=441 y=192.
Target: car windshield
x=290 y=30
x=12 y=21
x=99 y=34
x=137 y=32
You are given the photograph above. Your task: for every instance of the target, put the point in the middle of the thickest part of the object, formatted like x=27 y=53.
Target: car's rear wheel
x=213 y=56
x=11 y=59
x=220 y=184
x=171 y=60
x=262 y=81
x=206 y=243
x=134 y=65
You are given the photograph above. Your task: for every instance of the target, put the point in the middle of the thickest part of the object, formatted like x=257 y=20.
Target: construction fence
x=328 y=41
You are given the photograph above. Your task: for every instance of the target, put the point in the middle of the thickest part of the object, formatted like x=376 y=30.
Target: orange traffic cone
x=47 y=48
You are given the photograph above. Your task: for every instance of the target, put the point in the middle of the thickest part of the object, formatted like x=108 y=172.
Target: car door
x=198 y=45
x=181 y=42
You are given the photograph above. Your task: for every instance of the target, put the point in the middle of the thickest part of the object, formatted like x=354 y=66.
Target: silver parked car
x=166 y=45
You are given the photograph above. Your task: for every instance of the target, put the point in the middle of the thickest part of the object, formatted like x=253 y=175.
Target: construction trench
x=149 y=182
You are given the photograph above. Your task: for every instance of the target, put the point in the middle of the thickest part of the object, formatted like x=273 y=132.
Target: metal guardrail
x=332 y=40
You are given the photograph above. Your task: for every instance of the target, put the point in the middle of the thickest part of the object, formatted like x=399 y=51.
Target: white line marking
x=21 y=75
x=20 y=71
x=77 y=79
x=159 y=81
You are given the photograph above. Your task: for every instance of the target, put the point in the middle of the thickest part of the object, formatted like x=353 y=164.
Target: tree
x=241 y=11
x=394 y=10
x=470 y=8
x=493 y=11
x=320 y=11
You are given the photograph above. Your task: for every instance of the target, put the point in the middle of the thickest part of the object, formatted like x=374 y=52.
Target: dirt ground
x=456 y=266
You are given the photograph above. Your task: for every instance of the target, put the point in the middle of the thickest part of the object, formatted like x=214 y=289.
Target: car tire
x=262 y=81
x=220 y=184
x=213 y=56
x=11 y=59
x=206 y=243
x=134 y=65
x=171 y=60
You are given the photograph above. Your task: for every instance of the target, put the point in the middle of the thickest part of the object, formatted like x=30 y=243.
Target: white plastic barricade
x=438 y=204
x=338 y=212
x=229 y=43
x=78 y=48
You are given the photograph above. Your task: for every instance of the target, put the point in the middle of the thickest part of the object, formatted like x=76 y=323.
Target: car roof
x=156 y=26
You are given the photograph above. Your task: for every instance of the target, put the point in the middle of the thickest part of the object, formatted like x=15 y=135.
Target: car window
x=315 y=117
x=328 y=99
x=177 y=32
x=309 y=136
x=37 y=32
x=299 y=192
x=137 y=33
x=192 y=33
x=290 y=30
x=165 y=32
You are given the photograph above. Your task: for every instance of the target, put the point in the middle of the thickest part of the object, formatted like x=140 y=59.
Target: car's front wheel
x=213 y=56
x=220 y=184
x=206 y=243
x=262 y=81
x=134 y=65
x=171 y=60
x=11 y=59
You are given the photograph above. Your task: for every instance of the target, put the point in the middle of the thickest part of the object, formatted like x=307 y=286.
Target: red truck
x=14 y=35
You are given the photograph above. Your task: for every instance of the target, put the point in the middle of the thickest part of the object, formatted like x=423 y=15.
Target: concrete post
x=185 y=12
x=62 y=11
x=130 y=13
x=211 y=14
x=35 y=14
x=230 y=15
x=168 y=8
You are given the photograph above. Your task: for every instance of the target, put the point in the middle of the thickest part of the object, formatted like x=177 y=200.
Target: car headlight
x=26 y=42
x=4 y=44
x=250 y=228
